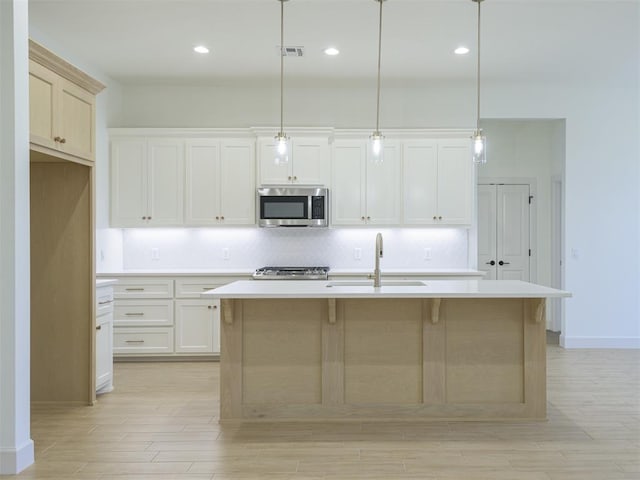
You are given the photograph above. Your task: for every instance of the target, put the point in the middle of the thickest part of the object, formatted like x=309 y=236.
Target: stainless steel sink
x=369 y=283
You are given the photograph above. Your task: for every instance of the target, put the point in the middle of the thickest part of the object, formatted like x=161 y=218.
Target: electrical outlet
x=357 y=253
x=225 y=253
x=427 y=254
x=155 y=254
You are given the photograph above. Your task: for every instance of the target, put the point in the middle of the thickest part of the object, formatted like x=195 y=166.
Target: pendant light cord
x=282 y=67
x=379 y=58
x=478 y=79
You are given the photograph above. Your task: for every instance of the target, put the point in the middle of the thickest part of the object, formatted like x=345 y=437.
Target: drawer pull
x=137 y=289
x=134 y=341
x=134 y=314
x=208 y=288
x=106 y=302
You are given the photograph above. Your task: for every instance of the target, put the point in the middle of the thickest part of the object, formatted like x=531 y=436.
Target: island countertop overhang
x=247 y=289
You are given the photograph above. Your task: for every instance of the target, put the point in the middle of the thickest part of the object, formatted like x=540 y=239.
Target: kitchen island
x=461 y=350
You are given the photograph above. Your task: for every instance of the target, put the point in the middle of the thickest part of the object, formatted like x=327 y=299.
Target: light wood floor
x=161 y=423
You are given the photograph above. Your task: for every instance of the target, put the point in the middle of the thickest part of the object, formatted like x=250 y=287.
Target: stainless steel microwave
x=292 y=206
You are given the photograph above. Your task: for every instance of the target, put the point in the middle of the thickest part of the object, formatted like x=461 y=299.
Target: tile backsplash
x=240 y=248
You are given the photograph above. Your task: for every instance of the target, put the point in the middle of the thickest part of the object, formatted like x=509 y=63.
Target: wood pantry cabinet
x=437 y=182
x=363 y=192
x=61 y=107
x=220 y=182
x=147 y=182
x=308 y=161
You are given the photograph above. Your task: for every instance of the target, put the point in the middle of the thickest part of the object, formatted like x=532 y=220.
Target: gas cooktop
x=291 y=273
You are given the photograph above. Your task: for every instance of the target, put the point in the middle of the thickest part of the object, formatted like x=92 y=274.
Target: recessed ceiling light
x=200 y=49
x=331 y=51
x=461 y=51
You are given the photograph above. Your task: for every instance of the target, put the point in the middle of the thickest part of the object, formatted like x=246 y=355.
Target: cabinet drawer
x=192 y=287
x=143 y=312
x=129 y=341
x=144 y=288
x=104 y=300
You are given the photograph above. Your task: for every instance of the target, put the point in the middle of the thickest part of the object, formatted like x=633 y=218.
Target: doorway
x=504 y=231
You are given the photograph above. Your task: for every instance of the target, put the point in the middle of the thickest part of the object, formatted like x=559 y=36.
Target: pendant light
x=283 y=143
x=478 y=139
x=376 y=140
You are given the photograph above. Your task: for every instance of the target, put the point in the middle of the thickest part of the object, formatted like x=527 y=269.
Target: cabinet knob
x=217 y=218
x=362 y=218
x=435 y=218
x=295 y=178
x=56 y=139
x=144 y=218
x=212 y=307
x=440 y=218
x=222 y=217
x=99 y=327
x=63 y=140
x=368 y=218
x=148 y=218
x=289 y=177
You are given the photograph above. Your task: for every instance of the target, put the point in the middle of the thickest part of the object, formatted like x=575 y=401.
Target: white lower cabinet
x=164 y=316
x=104 y=339
x=196 y=328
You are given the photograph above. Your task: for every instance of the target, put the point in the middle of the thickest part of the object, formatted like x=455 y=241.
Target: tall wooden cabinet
x=62 y=206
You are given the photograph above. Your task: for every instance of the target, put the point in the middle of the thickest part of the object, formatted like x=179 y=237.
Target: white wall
x=16 y=446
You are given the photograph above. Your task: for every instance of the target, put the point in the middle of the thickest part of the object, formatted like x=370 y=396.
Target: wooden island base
x=383 y=359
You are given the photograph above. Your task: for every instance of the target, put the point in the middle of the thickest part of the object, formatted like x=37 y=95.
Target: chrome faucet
x=376 y=271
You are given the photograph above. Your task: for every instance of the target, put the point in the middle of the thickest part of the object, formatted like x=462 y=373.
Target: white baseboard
x=14 y=460
x=599 y=342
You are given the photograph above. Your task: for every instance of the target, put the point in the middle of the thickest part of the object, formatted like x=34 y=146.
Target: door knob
x=503 y=263
x=492 y=262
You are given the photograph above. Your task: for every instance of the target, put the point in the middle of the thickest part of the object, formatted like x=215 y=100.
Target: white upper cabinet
x=147 y=182
x=220 y=182
x=364 y=192
x=437 y=182
x=308 y=162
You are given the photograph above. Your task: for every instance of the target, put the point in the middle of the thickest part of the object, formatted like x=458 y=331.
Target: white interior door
x=487 y=231
x=503 y=232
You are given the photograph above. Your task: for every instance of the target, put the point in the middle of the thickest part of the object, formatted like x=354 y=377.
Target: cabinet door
x=194 y=328
x=166 y=182
x=348 y=194
x=128 y=183
x=383 y=188
x=104 y=352
x=237 y=183
x=420 y=180
x=202 y=195
x=76 y=126
x=455 y=182
x=42 y=84
x=310 y=160
x=270 y=172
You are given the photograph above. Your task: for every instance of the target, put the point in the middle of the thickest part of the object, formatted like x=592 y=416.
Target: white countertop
x=102 y=282
x=430 y=289
x=179 y=272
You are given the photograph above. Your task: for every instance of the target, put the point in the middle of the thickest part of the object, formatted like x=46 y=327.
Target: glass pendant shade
x=282 y=149
x=479 y=147
x=376 y=147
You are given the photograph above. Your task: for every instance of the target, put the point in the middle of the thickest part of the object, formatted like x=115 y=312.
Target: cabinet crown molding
x=50 y=60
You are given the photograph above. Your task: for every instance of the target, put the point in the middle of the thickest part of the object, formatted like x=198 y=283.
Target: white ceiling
x=152 y=40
